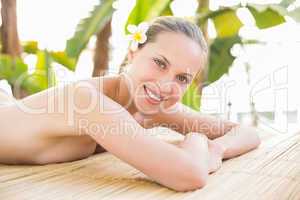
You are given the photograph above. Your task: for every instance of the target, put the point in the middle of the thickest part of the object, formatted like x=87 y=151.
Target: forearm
x=239 y=140
x=164 y=163
x=212 y=127
x=185 y=120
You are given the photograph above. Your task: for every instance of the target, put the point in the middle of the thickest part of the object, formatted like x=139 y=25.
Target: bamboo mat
x=270 y=172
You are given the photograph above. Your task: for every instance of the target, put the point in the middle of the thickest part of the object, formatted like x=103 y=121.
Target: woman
x=66 y=123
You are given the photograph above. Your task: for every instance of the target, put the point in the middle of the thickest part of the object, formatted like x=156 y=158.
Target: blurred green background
x=26 y=78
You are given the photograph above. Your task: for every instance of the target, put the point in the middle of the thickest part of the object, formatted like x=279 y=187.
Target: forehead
x=182 y=52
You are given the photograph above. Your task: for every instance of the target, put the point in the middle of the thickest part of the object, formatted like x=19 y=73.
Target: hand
x=216 y=152
x=195 y=143
x=203 y=148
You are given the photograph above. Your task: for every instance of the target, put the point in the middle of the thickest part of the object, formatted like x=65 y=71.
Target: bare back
x=38 y=131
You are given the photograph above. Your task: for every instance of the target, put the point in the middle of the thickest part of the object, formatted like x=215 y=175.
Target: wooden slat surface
x=270 y=172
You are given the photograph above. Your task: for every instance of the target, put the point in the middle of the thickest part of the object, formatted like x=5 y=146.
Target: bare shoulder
x=57 y=111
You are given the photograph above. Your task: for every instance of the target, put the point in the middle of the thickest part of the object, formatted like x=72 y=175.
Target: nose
x=168 y=87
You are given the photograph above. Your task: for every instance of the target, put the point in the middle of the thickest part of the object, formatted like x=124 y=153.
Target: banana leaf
x=88 y=27
x=147 y=10
x=267 y=16
x=43 y=76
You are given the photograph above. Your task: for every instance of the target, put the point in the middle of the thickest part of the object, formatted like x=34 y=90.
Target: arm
x=235 y=139
x=127 y=140
x=111 y=126
x=184 y=120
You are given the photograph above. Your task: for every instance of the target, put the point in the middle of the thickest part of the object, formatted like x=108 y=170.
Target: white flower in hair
x=137 y=34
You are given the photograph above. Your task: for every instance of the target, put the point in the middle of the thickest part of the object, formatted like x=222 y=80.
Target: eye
x=160 y=63
x=183 y=79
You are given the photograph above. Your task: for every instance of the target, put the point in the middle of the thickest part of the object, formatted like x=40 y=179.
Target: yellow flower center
x=137 y=36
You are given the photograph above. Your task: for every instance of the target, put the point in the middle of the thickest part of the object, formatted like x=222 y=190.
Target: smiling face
x=161 y=71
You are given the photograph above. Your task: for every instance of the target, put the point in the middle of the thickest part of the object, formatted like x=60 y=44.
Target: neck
x=123 y=95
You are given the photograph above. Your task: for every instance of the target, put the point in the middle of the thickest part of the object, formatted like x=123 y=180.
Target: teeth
x=153 y=96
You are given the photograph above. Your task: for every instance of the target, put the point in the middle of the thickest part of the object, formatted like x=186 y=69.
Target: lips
x=152 y=97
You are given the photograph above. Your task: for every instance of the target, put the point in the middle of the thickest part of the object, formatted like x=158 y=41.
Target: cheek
x=177 y=92
x=146 y=70
x=150 y=66
x=180 y=92
x=140 y=64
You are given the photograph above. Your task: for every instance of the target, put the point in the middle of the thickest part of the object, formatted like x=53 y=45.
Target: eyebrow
x=167 y=61
x=188 y=74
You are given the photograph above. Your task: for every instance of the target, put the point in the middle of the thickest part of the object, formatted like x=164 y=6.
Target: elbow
x=257 y=140
x=194 y=183
x=252 y=136
x=195 y=178
x=197 y=181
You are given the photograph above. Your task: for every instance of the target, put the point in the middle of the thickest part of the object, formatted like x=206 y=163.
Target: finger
x=196 y=139
x=195 y=143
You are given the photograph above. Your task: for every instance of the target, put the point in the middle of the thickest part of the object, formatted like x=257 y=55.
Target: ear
x=130 y=55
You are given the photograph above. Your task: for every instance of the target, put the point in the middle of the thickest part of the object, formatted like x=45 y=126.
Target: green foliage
x=44 y=65
x=62 y=58
x=89 y=26
x=227 y=23
x=167 y=11
x=266 y=16
x=43 y=76
x=225 y=20
x=220 y=57
x=147 y=10
x=273 y=14
x=191 y=97
x=34 y=83
x=11 y=68
x=30 y=47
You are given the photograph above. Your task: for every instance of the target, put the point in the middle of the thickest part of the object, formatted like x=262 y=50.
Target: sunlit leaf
x=30 y=47
x=227 y=23
x=167 y=11
x=191 y=97
x=43 y=76
x=36 y=82
x=62 y=58
x=89 y=26
x=147 y=10
x=266 y=16
x=44 y=63
x=11 y=68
